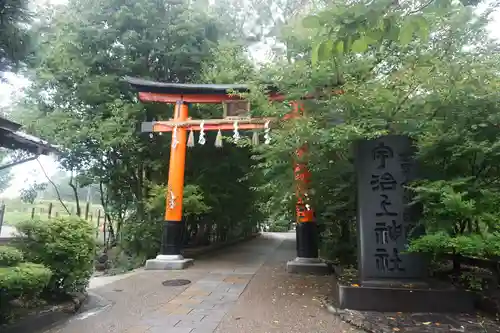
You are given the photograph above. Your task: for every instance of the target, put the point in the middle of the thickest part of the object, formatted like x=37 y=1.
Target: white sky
x=30 y=172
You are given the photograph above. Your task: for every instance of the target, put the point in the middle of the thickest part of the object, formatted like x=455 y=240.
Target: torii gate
x=236 y=118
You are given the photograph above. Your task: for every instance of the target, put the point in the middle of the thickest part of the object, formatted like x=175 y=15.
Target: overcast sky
x=29 y=172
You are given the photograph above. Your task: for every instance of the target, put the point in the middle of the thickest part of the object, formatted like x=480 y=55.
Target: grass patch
x=17 y=211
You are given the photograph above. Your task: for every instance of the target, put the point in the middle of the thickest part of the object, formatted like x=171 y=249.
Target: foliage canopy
x=425 y=69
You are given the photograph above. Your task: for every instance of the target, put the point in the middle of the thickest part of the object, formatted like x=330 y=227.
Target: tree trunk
x=107 y=217
x=75 y=192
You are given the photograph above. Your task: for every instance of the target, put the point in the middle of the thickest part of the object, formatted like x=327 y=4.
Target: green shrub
x=278 y=228
x=10 y=256
x=66 y=245
x=25 y=281
x=121 y=262
x=475 y=245
x=142 y=237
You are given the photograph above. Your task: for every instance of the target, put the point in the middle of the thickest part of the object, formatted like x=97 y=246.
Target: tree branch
x=425 y=5
x=55 y=187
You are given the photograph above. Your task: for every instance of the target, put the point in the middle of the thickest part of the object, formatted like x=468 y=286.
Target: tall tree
x=14 y=20
x=79 y=100
x=417 y=68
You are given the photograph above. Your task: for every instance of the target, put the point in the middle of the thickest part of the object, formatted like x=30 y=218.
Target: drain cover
x=175 y=283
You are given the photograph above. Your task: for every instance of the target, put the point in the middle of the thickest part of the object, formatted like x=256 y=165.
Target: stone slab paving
x=201 y=307
x=140 y=304
x=244 y=289
x=130 y=300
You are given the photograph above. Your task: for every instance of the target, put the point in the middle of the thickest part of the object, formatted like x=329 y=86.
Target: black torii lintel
x=185 y=88
x=143 y=85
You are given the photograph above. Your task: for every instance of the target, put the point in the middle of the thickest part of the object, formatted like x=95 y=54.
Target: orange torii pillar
x=306 y=228
x=170 y=256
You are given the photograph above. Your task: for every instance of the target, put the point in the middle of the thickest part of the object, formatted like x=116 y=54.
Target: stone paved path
x=275 y=301
x=242 y=289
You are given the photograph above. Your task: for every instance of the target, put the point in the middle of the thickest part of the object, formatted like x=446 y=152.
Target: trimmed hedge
x=10 y=256
x=60 y=255
x=24 y=282
x=66 y=245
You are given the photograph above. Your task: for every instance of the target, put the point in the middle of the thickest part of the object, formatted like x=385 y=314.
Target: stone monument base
x=308 y=266
x=391 y=296
x=168 y=262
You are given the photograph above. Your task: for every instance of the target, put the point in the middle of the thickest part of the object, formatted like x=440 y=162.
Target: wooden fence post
x=50 y=210
x=32 y=213
x=2 y=214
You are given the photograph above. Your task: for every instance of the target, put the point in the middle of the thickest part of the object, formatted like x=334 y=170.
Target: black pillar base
x=307 y=240
x=307 y=261
x=172 y=237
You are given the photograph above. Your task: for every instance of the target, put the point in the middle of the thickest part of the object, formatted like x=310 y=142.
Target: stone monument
x=385 y=221
x=391 y=280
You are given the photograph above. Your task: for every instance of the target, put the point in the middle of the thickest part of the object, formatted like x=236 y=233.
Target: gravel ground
x=275 y=301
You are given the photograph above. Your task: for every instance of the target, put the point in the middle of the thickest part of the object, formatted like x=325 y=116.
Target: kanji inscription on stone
x=384 y=167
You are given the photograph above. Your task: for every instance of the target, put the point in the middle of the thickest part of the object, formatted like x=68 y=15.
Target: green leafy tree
x=80 y=101
x=30 y=193
x=420 y=69
x=14 y=42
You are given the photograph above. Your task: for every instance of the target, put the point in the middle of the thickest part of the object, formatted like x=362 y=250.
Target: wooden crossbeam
x=208 y=124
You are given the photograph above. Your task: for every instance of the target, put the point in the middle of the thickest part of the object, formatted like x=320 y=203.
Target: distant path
x=7 y=231
x=244 y=289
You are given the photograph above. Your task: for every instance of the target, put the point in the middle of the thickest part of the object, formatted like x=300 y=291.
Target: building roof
x=12 y=138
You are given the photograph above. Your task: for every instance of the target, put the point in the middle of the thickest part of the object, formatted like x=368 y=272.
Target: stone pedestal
x=168 y=262
x=308 y=266
x=384 y=296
